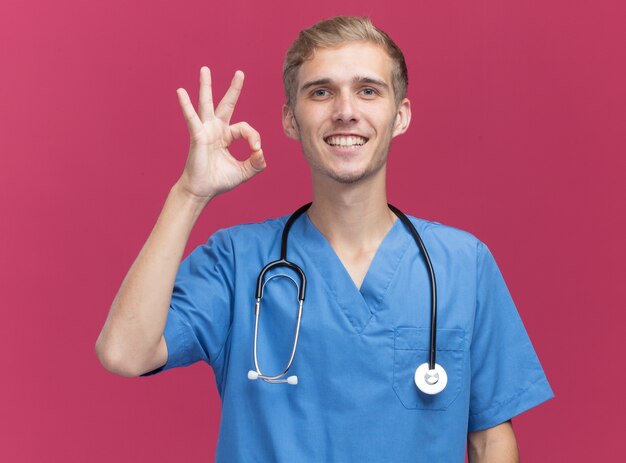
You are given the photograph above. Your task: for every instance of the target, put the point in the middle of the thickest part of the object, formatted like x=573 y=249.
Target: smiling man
x=345 y=120
x=354 y=392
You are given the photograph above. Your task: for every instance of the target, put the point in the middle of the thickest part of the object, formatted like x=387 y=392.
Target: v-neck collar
x=358 y=305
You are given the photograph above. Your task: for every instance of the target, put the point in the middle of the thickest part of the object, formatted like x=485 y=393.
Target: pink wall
x=517 y=136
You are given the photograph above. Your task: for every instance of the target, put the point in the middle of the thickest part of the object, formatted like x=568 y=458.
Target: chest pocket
x=411 y=347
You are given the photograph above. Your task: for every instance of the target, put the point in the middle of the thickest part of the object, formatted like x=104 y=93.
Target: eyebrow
x=371 y=81
x=355 y=80
x=314 y=83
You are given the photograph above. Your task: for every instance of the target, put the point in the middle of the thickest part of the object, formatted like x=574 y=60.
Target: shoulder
x=454 y=245
x=252 y=230
x=251 y=237
x=445 y=236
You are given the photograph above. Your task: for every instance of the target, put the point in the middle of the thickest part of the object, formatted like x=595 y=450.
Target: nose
x=345 y=109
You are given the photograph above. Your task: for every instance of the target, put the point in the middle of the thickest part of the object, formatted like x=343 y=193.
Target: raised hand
x=210 y=168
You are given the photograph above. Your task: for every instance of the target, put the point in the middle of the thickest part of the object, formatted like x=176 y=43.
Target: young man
x=367 y=313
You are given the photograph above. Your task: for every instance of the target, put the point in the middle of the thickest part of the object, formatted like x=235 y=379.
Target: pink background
x=518 y=136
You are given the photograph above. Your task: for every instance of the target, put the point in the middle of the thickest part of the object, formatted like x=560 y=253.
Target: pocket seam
x=410 y=344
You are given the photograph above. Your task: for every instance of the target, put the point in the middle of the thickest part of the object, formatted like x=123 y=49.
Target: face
x=344 y=113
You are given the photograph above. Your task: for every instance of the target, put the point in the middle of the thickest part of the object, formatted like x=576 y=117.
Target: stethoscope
x=430 y=377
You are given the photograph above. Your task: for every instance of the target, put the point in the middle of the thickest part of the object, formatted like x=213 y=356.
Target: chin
x=346 y=177
x=349 y=178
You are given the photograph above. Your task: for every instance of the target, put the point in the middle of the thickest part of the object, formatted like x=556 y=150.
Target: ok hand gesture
x=210 y=168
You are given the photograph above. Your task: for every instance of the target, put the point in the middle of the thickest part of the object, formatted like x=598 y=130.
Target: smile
x=345 y=141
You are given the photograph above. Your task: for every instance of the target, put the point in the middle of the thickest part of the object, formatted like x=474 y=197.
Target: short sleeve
x=507 y=378
x=199 y=316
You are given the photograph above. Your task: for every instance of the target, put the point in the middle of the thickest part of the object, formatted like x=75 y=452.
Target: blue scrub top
x=356 y=399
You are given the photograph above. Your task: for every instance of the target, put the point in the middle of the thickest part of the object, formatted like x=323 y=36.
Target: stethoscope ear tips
x=252 y=375
x=431 y=381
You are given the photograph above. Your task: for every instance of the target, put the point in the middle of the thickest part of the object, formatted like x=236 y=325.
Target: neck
x=352 y=216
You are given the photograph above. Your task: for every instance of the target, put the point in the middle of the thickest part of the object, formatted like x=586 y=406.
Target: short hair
x=335 y=32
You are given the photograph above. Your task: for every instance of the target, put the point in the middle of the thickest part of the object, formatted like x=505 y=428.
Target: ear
x=289 y=123
x=403 y=118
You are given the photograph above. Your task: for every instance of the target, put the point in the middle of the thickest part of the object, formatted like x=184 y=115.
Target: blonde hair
x=334 y=32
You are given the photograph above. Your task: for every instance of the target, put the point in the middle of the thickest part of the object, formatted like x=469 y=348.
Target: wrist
x=188 y=199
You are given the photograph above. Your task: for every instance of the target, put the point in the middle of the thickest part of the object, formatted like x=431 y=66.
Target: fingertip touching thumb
x=257 y=160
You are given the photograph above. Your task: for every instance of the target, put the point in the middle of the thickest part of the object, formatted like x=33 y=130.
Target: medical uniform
x=356 y=399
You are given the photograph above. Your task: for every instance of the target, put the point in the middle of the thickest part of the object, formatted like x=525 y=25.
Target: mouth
x=345 y=141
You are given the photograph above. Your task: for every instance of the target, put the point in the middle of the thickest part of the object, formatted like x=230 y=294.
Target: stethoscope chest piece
x=431 y=381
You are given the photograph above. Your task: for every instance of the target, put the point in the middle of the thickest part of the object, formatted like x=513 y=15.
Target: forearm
x=493 y=445
x=131 y=341
x=136 y=320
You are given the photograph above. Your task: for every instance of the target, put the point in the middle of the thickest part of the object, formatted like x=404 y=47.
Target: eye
x=369 y=92
x=320 y=93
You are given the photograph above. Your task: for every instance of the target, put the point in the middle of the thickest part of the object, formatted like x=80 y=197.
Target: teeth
x=346 y=142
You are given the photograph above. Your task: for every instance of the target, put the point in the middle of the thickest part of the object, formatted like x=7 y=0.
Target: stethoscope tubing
x=283 y=262
x=433 y=284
